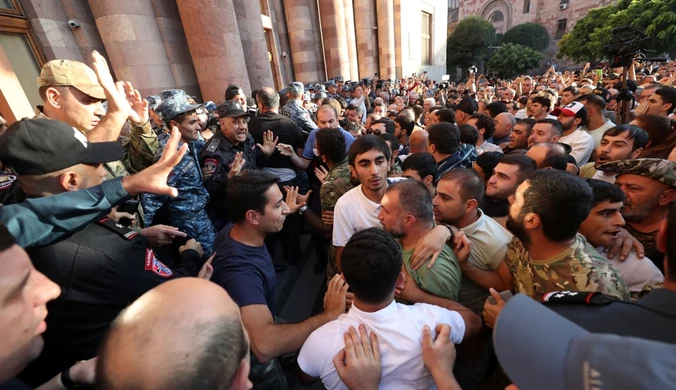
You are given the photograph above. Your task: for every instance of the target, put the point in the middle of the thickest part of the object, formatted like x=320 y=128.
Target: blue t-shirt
x=310 y=143
x=245 y=272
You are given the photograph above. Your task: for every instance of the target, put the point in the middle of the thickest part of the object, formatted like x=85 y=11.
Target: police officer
x=188 y=210
x=231 y=150
x=156 y=120
x=331 y=89
x=236 y=93
x=294 y=108
x=100 y=269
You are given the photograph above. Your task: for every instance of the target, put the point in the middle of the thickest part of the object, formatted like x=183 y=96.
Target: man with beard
x=507 y=176
x=547 y=254
x=618 y=143
x=649 y=188
x=406 y=213
x=518 y=139
x=572 y=117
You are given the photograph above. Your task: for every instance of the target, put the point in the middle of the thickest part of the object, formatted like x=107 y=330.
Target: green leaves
x=512 y=59
x=469 y=43
x=530 y=35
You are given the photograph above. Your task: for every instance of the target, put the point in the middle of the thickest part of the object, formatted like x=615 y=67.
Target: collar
x=383 y=314
x=661 y=300
x=473 y=227
x=340 y=164
x=374 y=206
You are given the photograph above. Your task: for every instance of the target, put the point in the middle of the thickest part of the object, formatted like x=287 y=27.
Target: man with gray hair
x=504 y=123
x=294 y=108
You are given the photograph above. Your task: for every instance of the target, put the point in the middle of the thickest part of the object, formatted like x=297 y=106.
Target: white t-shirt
x=597 y=134
x=355 y=212
x=399 y=330
x=607 y=177
x=582 y=144
x=636 y=273
x=488 y=147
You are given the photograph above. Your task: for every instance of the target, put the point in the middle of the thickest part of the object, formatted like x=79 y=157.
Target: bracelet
x=66 y=380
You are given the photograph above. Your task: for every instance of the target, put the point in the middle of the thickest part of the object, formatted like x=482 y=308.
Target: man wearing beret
x=649 y=189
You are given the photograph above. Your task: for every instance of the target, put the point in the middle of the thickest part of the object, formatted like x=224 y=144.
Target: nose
x=374 y=169
x=46 y=290
x=618 y=220
x=99 y=109
x=285 y=208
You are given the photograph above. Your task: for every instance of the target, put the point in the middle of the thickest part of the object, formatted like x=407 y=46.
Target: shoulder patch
x=120 y=230
x=212 y=145
x=6 y=181
x=153 y=264
x=210 y=165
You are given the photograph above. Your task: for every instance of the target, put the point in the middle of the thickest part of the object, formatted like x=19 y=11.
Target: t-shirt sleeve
x=244 y=284
x=342 y=228
x=448 y=317
x=443 y=279
x=309 y=145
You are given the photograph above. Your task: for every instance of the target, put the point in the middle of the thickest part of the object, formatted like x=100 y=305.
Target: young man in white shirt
x=372 y=263
x=572 y=117
x=597 y=124
x=601 y=229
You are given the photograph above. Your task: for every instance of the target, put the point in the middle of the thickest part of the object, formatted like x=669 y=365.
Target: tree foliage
x=469 y=42
x=530 y=35
x=512 y=59
x=655 y=18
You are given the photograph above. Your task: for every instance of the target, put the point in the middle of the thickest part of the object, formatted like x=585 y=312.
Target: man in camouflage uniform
x=649 y=185
x=230 y=151
x=156 y=120
x=294 y=108
x=72 y=84
x=187 y=211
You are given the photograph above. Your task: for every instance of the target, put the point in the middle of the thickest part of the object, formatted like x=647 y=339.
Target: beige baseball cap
x=71 y=73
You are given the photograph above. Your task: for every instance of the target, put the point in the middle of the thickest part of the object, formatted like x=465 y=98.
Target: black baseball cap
x=230 y=109
x=38 y=146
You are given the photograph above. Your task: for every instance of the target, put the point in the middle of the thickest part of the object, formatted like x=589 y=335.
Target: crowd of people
x=472 y=235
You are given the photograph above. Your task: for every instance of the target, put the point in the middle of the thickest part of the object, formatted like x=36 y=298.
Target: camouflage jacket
x=336 y=184
x=186 y=177
x=298 y=114
x=579 y=268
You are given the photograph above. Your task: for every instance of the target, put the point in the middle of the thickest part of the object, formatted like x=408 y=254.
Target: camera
x=473 y=69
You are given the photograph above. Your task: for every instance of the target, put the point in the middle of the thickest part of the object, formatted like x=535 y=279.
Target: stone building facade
x=557 y=16
x=202 y=46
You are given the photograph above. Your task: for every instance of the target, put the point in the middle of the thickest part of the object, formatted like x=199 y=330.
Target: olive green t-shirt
x=442 y=280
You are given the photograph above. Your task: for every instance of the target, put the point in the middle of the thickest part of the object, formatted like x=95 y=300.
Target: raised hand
x=237 y=165
x=269 y=143
x=115 y=93
x=139 y=106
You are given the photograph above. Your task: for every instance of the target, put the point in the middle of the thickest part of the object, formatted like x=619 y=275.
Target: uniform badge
x=213 y=144
x=6 y=181
x=153 y=264
x=210 y=165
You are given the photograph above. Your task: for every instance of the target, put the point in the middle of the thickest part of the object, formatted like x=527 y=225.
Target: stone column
x=253 y=43
x=386 y=38
x=133 y=43
x=332 y=15
x=351 y=40
x=306 y=46
x=176 y=46
x=398 y=44
x=366 y=41
x=215 y=46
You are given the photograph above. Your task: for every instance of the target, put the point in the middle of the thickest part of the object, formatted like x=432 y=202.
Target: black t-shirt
x=245 y=272
x=495 y=208
x=287 y=130
x=14 y=384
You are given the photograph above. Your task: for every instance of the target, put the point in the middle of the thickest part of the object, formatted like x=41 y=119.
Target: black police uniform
x=653 y=317
x=100 y=270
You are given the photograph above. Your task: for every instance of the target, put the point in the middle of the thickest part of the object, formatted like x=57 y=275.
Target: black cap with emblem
x=38 y=146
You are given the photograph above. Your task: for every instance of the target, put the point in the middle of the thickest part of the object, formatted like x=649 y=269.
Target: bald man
x=183 y=334
x=417 y=143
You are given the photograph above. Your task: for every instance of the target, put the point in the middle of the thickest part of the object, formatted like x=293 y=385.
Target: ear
x=70 y=180
x=662 y=239
x=252 y=217
x=353 y=171
x=471 y=204
x=395 y=154
x=241 y=379
x=636 y=153
x=532 y=221
x=400 y=279
x=428 y=180
x=54 y=97
x=667 y=197
x=667 y=106
x=431 y=148
x=556 y=138
x=408 y=220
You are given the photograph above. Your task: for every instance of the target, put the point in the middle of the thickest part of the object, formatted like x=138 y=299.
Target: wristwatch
x=302 y=209
x=67 y=381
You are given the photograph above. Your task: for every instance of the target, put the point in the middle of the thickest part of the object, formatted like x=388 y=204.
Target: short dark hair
x=418 y=110
x=394 y=142
x=668 y=95
x=444 y=136
x=371 y=263
x=543 y=100
x=496 y=108
x=595 y=100
x=331 y=144
x=468 y=134
x=423 y=163
x=268 y=97
x=529 y=122
x=556 y=124
x=470 y=183
x=468 y=105
x=246 y=191
x=635 y=133
x=405 y=123
x=6 y=238
x=389 y=124
x=526 y=164
x=604 y=191
x=414 y=199
x=365 y=143
x=356 y=108
x=487 y=161
x=556 y=156
x=485 y=122
x=446 y=115
x=571 y=89
x=563 y=201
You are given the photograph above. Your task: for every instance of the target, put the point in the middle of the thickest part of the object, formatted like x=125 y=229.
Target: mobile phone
x=129 y=207
x=506 y=295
